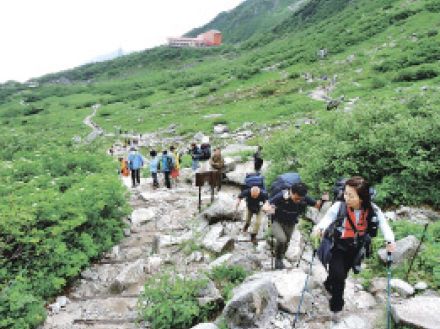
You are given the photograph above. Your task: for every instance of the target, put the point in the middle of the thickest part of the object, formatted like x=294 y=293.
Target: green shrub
x=421 y=72
x=267 y=91
x=171 y=303
x=378 y=83
x=433 y=6
x=227 y=277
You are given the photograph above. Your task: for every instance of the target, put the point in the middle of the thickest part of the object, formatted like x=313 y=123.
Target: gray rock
x=378 y=285
x=130 y=274
x=205 y=326
x=289 y=285
x=209 y=294
x=295 y=246
x=142 y=215
x=239 y=174
x=220 y=245
x=62 y=301
x=222 y=209
x=253 y=305
x=420 y=312
x=403 y=288
x=199 y=136
x=249 y=262
x=127 y=232
x=220 y=129
x=421 y=285
x=405 y=249
x=153 y=264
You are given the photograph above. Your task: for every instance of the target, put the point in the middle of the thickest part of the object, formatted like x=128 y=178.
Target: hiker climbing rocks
x=175 y=172
x=205 y=154
x=255 y=197
x=166 y=163
x=154 y=166
x=195 y=156
x=218 y=163
x=347 y=229
x=135 y=163
x=258 y=159
x=286 y=206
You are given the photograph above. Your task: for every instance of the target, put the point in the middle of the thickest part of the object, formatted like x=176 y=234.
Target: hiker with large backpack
x=167 y=165
x=255 y=197
x=346 y=231
x=135 y=163
x=205 y=154
x=288 y=200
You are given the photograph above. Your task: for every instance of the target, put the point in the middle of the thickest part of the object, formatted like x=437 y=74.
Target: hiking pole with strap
x=389 y=262
x=272 y=261
x=417 y=250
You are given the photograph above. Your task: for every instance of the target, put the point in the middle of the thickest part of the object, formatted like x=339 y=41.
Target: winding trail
x=96 y=130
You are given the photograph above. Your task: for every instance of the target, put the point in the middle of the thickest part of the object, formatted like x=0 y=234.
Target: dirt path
x=96 y=130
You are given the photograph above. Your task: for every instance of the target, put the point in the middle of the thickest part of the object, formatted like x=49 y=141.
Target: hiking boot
x=336 y=317
x=245 y=227
x=254 y=239
x=279 y=265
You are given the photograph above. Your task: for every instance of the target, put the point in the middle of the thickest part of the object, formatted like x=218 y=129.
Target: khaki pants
x=282 y=233
x=248 y=218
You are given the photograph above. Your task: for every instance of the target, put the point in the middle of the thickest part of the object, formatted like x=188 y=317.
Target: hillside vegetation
x=61 y=201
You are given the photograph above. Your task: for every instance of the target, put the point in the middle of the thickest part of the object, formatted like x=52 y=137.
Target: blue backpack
x=284 y=182
x=252 y=180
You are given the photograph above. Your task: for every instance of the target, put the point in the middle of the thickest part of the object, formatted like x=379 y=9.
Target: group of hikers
x=341 y=239
x=343 y=235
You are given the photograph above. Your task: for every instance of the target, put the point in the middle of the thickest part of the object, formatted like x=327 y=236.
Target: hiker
x=154 y=166
x=175 y=172
x=135 y=163
x=286 y=206
x=195 y=156
x=258 y=159
x=218 y=163
x=124 y=171
x=111 y=151
x=166 y=163
x=355 y=221
x=255 y=197
x=205 y=154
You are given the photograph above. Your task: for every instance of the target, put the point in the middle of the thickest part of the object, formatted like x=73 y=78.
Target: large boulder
x=216 y=242
x=403 y=288
x=220 y=129
x=405 y=249
x=239 y=174
x=296 y=245
x=289 y=285
x=253 y=305
x=419 y=312
x=142 y=215
x=130 y=274
x=249 y=262
x=221 y=209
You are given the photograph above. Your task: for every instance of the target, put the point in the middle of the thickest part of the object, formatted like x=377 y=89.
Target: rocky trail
x=163 y=221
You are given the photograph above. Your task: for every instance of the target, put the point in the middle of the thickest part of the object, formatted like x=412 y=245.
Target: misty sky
x=43 y=36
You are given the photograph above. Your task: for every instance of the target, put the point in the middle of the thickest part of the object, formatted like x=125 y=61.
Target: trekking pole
x=417 y=250
x=389 y=262
x=304 y=290
x=272 y=262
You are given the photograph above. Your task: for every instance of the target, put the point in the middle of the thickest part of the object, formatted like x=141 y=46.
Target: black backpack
x=205 y=151
x=252 y=180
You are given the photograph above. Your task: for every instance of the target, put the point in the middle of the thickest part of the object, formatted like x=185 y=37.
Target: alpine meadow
x=339 y=87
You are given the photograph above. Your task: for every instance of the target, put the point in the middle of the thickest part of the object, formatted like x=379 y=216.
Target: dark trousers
x=135 y=176
x=155 y=181
x=340 y=264
x=167 y=178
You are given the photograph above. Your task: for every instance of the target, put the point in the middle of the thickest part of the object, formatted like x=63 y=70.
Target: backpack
x=252 y=180
x=170 y=163
x=338 y=190
x=284 y=182
x=205 y=151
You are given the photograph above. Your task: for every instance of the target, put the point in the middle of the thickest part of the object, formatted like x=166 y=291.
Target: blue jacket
x=164 y=162
x=135 y=161
x=154 y=162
